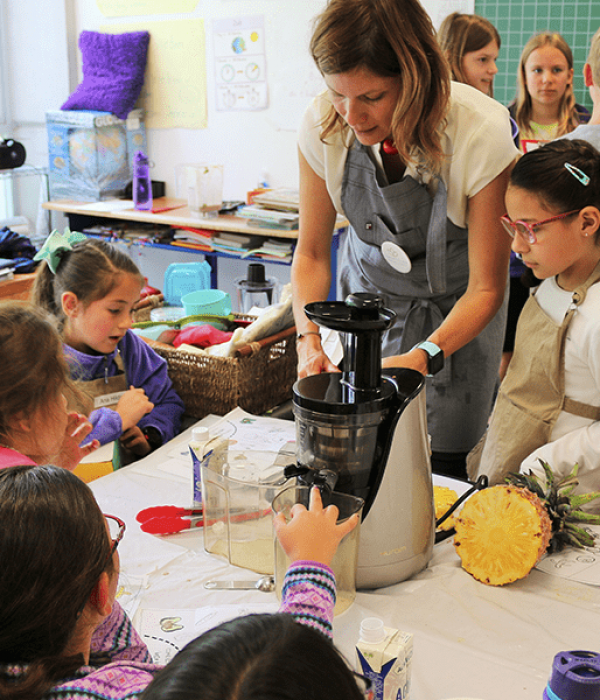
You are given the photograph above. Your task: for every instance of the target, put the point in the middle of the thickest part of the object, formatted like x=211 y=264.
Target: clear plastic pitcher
x=344 y=560
x=202 y=186
x=237 y=490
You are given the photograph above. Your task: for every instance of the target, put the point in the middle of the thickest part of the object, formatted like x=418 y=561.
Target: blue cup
x=207 y=301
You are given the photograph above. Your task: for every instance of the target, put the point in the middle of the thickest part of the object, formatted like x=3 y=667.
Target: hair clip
x=579 y=174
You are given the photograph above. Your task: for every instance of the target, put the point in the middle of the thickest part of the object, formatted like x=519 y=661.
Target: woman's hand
x=312 y=534
x=71 y=451
x=132 y=407
x=312 y=358
x=413 y=359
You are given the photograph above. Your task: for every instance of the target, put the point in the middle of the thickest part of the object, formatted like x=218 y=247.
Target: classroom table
x=470 y=640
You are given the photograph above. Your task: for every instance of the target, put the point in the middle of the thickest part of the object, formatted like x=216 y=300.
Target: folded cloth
x=201 y=336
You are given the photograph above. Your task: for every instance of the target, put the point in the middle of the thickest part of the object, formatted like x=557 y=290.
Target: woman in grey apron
x=419 y=167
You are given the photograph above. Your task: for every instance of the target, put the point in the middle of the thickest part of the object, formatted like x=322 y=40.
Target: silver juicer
x=363 y=431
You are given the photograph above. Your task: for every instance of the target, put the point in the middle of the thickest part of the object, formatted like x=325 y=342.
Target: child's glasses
x=527 y=229
x=117 y=529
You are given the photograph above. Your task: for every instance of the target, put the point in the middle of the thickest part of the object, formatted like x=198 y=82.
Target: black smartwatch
x=435 y=356
x=153 y=436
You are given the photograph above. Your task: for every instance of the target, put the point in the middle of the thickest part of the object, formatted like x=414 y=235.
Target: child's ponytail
x=42 y=293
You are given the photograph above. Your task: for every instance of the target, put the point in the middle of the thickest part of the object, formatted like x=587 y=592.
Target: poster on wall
x=240 y=64
x=135 y=8
x=174 y=92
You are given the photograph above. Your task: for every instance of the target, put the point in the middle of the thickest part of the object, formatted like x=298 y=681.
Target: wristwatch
x=435 y=356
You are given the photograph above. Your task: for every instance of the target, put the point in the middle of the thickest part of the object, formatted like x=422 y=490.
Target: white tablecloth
x=470 y=640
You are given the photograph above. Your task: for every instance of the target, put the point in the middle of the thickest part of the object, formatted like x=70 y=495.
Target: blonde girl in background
x=92 y=288
x=471 y=44
x=545 y=106
x=35 y=426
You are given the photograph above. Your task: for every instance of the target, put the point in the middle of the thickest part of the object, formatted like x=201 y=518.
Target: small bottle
x=575 y=676
x=385 y=657
x=200 y=436
x=142 y=184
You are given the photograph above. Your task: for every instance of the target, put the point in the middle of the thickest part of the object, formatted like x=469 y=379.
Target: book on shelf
x=282 y=198
x=261 y=215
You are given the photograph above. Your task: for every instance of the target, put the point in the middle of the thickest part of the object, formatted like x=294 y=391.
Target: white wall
x=249 y=144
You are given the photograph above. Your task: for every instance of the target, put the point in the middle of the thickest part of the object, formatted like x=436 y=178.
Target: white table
x=470 y=640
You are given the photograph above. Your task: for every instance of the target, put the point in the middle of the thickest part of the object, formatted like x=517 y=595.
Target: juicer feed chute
x=364 y=432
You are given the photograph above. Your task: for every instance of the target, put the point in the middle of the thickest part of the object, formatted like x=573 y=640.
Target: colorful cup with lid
x=575 y=676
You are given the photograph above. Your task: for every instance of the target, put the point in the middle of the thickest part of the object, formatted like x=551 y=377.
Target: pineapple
x=503 y=531
x=444 y=498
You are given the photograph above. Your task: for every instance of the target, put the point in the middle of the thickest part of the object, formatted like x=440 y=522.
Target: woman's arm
x=489 y=251
x=311 y=266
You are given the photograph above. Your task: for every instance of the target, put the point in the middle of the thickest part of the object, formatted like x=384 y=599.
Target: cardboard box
x=91 y=153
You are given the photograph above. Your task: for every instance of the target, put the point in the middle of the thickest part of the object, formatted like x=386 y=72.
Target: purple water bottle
x=575 y=676
x=142 y=184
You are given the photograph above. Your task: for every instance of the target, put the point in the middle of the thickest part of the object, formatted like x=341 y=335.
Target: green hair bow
x=56 y=245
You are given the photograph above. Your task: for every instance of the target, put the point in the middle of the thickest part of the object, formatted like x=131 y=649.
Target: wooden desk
x=17 y=288
x=177 y=215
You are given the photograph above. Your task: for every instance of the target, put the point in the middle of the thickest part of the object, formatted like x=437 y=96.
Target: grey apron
x=459 y=398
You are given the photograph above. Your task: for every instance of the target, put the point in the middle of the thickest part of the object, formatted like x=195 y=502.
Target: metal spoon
x=266 y=584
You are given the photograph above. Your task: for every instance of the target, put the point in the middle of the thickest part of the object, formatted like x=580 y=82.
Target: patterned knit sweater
x=121 y=667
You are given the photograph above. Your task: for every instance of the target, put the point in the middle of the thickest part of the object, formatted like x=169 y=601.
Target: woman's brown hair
x=53 y=548
x=389 y=38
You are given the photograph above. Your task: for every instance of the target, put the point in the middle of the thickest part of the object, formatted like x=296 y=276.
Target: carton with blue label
x=385 y=657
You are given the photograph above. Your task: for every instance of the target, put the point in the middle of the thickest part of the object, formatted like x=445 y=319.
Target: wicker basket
x=257 y=379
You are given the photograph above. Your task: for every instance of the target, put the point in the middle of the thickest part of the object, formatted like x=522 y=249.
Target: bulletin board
x=174 y=92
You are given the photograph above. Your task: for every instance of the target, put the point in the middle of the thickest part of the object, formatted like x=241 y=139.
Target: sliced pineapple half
x=501 y=534
x=443 y=499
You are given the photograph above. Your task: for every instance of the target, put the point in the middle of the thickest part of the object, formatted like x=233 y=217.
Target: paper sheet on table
x=165 y=632
x=260 y=433
x=581 y=565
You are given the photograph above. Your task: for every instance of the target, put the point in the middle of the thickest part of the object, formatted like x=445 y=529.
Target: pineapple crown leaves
x=563 y=507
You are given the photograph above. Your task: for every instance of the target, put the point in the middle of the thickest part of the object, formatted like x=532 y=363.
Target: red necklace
x=389 y=148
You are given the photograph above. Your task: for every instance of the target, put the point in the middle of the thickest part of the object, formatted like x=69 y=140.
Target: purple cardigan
x=308 y=595
x=146 y=370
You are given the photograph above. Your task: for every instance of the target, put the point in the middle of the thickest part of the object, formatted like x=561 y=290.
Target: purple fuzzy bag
x=113 y=72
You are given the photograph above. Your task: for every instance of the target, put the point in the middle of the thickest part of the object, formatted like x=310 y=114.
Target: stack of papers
x=282 y=199
x=269 y=218
x=216 y=241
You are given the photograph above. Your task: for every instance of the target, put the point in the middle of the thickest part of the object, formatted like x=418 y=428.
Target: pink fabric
x=201 y=336
x=12 y=458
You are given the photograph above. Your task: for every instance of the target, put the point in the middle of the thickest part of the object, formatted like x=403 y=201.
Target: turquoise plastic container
x=184 y=278
x=207 y=301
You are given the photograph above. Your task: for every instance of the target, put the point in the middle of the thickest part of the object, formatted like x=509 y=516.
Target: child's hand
x=312 y=534
x=132 y=406
x=135 y=441
x=71 y=453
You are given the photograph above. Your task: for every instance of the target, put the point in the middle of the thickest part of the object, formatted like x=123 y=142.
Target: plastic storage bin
x=184 y=278
x=91 y=153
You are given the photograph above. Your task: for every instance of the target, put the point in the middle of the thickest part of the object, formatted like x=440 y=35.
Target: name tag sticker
x=108 y=399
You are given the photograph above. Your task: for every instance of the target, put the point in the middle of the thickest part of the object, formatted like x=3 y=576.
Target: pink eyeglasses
x=527 y=229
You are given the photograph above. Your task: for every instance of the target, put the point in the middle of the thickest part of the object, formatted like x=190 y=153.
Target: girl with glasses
x=35 y=426
x=63 y=634
x=548 y=406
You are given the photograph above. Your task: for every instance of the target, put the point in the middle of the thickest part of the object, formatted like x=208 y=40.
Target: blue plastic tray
x=183 y=278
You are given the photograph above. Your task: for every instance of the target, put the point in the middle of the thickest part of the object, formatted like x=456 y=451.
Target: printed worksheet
x=582 y=565
x=165 y=632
